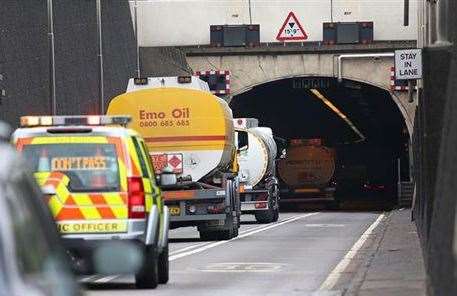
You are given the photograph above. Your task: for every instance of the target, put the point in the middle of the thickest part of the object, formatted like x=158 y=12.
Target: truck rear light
x=216 y=208
x=261 y=205
x=192 y=209
x=262 y=201
x=136 y=199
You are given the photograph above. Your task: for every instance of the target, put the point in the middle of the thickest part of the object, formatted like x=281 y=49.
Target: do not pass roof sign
x=408 y=64
x=291 y=30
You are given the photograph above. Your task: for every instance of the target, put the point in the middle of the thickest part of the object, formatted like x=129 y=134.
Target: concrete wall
x=185 y=22
x=435 y=135
x=251 y=70
x=24 y=55
x=24 y=62
x=163 y=61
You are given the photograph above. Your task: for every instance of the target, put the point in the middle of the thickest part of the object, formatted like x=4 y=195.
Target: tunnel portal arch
x=294 y=112
x=251 y=70
x=398 y=100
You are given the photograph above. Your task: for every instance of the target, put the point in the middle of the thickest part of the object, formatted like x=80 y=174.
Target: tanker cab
x=242 y=146
x=242 y=141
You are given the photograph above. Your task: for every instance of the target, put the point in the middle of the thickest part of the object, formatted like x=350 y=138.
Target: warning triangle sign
x=291 y=29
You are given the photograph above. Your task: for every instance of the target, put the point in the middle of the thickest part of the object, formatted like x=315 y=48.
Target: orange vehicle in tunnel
x=307 y=171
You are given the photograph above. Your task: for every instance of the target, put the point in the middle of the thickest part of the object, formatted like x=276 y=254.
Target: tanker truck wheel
x=208 y=235
x=276 y=215
x=266 y=216
x=231 y=231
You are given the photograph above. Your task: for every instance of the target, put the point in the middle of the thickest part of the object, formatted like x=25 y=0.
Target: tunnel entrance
x=361 y=123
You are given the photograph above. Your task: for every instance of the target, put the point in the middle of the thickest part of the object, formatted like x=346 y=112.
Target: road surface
x=299 y=255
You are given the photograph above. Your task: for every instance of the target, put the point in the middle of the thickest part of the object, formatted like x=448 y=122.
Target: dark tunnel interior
x=369 y=144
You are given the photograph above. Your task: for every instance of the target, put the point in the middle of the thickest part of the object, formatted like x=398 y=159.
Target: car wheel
x=164 y=270
x=148 y=276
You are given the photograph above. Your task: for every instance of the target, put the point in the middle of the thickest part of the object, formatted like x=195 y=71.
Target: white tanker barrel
x=258 y=161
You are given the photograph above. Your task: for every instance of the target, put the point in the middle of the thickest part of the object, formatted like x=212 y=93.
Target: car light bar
x=28 y=121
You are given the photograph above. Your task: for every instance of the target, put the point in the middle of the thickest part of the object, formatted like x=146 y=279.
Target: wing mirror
x=168 y=177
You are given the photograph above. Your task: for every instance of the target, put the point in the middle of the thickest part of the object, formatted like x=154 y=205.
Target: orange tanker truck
x=190 y=136
x=307 y=172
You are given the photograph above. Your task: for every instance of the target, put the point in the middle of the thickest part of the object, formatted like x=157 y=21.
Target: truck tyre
x=235 y=231
x=164 y=271
x=208 y=235
x=237 y=225
x=148 y=276
x=276 y=215
x=230 y=230
x=266 y=216
x=225 y=234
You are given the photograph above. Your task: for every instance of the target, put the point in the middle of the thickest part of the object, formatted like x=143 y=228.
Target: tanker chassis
x=262 y=201
x=195 y=162
x=215 y=210
x=259 y=194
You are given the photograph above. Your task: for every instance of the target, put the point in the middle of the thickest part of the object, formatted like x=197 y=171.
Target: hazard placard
x=173 y=160
x=291 y=30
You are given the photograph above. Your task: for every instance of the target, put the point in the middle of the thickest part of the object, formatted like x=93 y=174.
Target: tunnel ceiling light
x=338 y=112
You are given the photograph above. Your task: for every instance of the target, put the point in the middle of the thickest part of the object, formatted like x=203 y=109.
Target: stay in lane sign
x=408 y=64
x=291 y=30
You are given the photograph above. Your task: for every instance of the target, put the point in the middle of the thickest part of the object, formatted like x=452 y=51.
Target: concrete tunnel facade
x=248 y=71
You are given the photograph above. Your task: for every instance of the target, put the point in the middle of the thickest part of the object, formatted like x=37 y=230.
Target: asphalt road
x=294 y=256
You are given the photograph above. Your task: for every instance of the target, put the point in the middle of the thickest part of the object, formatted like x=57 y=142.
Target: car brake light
x=136 y=200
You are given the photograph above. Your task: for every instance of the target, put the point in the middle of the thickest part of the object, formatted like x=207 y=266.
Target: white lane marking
x=106 y=279
x=188 y=248
x=333 y=277
x=246 y=234
x=207 y=243
x=324 y=225
x=88 y=278
x=243 y=267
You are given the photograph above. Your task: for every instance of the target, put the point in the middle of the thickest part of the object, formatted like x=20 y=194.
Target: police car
x=100 y=185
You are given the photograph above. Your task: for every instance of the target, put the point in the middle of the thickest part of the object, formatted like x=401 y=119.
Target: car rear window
x=90 y=167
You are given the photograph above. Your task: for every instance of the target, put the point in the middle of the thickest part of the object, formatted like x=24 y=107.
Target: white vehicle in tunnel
x=260 y=190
